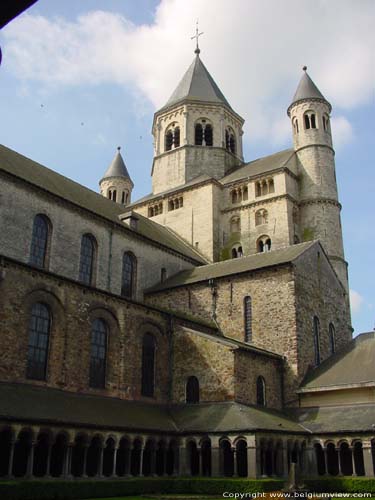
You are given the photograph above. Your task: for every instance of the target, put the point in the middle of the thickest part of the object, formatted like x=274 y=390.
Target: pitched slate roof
x=234 y=266
x=349 y=418
x=24 y=402
x=117 y=168
x=306 y=90
x=33 y=173
x=286 y=158
x=197 y=85
x=352 y=366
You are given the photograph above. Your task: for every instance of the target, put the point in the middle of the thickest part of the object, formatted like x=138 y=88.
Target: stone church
x=201 y=330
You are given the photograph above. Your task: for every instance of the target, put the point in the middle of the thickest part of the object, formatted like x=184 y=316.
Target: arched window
x=326 y=123
x=39 y=241
x=98 y=353
x=163 y=274
x=230 y=140
x=332 y=338
x=203 y=133
x=307 y=121
x=168 y=140
x=261 y=217
x=198 y=134
x=237 y=251
x=295 y=125
x=235 y=224
x=129 y=267
x=258 y=189
x=264 y=244
x=316 y=327
x=261 y=391
x=248 y=319
x=310 y=120
x=234 y=253
x=39 y=331
x=176 y=138
x=114 y=195
x=148 y=365
x=87 y=259
x=192 y=390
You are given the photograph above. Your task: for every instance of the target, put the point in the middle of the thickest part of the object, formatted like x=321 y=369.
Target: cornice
x=260 y=202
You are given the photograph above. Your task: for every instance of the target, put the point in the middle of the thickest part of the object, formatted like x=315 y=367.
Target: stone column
x=85 y=448
x=339 y=460
x=326 y=460
x=99 y=472
x=235 y=469
x=68 y=461
x=115 y=450
x=184 y=461
x=30 y=461
x=252 y=461
x=285 y=460
x=354 y=473
x=367 y=460
x=11 y=455
x=311 y=466
x=141 y=460
x=215 y=457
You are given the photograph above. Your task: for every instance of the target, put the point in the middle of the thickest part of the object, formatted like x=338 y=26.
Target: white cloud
x=342 y=131
x=254 y=50
x=356 y=301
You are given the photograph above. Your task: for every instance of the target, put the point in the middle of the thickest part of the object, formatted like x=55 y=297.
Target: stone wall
x=20 y=203
x=73 y=309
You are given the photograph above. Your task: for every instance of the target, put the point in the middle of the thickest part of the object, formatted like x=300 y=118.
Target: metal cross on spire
x=197 y=35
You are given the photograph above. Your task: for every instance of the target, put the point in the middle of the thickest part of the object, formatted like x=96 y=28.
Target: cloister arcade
x=36 y=452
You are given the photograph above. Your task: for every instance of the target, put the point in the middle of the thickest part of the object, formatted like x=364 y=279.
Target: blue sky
x=80 y=78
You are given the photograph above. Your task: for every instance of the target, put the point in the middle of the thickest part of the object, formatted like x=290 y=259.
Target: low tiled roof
x=24 y=402
x=286 y=158
x=352 y=366
x=151 y=196
x=32 y=172
x=348 y=418
x=234 y=266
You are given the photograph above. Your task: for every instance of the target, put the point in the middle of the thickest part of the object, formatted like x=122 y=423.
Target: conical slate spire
x=197 y=85
x=117 y=168
x=307 y=89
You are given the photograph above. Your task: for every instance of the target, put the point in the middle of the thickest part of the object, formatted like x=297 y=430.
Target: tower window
x=261 y=217
x=203 y=133
x=261 y=391
x=148 y=365
x=168 y=140
x=192 y=390
x=230 y=140
x=39 y=331
x=175 y=203
x=176 y=138
x=237 y=251
x=248 y=319
x=295 y=125
x=307 y=122
x=325 y=123
x=129 y=265
x=99 y=334
x=264 y=244
x=332 y=338
x=316 y=328
x=310 y=120
x=87 y=259
x=114 y=195
x=39 y=241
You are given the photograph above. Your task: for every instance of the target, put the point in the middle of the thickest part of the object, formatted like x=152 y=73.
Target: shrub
x=341 y=484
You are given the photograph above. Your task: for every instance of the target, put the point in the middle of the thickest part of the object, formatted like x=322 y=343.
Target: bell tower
x=319 y=208
x=116 y=183
x=196 y=133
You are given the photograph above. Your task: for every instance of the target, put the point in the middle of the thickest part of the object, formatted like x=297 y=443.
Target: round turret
x=116 y=183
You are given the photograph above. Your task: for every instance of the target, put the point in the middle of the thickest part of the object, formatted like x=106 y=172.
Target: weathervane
x=197 y=35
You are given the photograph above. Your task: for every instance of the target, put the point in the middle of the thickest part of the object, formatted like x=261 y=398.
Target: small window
x=264 y=244
x=332 y=338
x=198 y=134
x=237 y=251
x=230 y=140
x=176 y=138
x=235 y=224
x=99 y=335
x=39 y=332
x=192 y=390
x=307 y=122
x=129 y=265
x=148 y=365
x=39 y=241
x=261 y=217
x=168 y=140
x=248 y=319
x=114 y=195
x=261 y=391
x=295 y=125
x=316 y=327
x=87 y=259
x=163 y=274
x=208 y=135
